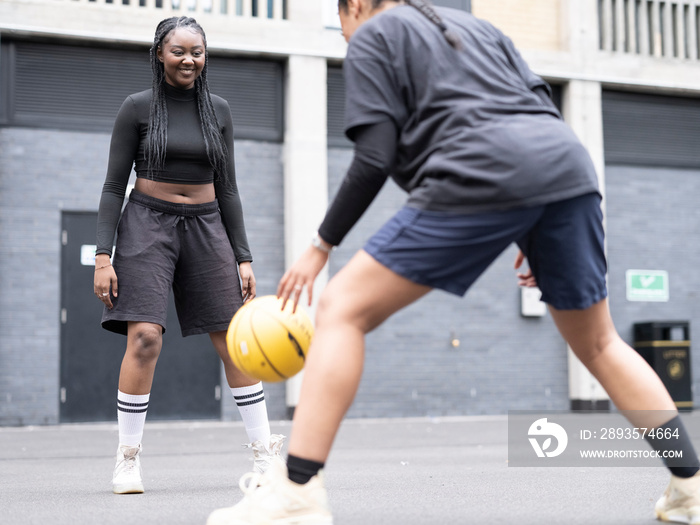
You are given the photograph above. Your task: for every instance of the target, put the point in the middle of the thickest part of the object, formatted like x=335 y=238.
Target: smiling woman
x=183 y=57
x=182 y=229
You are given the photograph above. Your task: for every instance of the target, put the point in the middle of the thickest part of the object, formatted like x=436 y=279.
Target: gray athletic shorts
x=163 y=245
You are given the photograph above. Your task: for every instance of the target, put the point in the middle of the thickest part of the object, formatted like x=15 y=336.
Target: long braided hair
x=426 y=8
x=157 y=138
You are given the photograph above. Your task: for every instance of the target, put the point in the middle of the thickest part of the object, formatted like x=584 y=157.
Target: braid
x=157 y=137
x=426 y=8
x=213 y=139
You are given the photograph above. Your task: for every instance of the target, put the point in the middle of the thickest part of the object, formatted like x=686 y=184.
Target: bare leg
x=357 y=300
x=234 y=377
x=624 y=374
x=143 y=344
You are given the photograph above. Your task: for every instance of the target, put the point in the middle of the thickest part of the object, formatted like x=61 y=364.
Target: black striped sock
x=249 y=399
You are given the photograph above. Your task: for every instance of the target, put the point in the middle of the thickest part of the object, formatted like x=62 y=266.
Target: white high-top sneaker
x=680 y=502
x=264 y=456
x=273 y=499
x=127 y=471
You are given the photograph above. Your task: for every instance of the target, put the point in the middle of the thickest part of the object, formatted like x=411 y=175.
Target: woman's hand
x=526 y=278
x=302 y=273
x=105 y=279
x=245 y=269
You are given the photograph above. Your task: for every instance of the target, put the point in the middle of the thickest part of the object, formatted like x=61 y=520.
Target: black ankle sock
x=685 y=466
x=302 y=470
x=683 y=472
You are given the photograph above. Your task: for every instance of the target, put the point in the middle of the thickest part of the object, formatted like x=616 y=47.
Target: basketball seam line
x=252 y=331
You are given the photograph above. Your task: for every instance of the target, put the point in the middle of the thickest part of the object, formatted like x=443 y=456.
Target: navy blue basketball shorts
x=563 y=243
x=163 y=245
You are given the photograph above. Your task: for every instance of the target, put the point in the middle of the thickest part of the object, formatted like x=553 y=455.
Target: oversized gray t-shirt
x=473 y=136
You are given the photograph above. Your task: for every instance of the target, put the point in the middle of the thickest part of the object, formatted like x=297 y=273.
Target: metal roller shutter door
x=53 y=85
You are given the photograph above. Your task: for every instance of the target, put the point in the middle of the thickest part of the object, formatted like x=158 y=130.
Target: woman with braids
x=182 y=228
x=443 y=103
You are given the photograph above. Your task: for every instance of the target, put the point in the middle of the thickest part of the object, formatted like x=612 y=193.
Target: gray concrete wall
x=42 y=173
x=504 y=362
x=653 y=222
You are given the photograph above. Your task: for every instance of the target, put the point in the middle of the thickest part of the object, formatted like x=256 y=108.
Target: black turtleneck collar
x=178 y=93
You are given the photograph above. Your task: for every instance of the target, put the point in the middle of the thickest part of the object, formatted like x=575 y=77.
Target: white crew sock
x=131 y=417
x=251 y=404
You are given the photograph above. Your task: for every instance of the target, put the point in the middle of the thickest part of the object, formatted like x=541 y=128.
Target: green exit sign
x=647 y=285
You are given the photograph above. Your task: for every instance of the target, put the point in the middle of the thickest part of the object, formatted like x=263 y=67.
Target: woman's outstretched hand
x=302 y=274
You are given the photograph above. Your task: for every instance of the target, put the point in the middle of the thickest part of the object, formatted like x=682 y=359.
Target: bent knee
x=597 y=346
x=334 y=309
x=327 y=310
x=145 y=341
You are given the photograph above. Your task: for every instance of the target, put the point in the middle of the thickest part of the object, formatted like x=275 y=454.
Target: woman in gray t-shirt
x=444 y=104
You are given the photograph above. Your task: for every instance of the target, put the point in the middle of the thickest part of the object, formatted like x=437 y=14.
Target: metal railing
x=657 y=28
x=270 y=9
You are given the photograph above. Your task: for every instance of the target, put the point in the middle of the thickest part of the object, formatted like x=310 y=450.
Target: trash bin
x=665 y=345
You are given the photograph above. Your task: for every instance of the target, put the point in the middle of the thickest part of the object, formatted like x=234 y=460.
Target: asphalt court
x=385 y=472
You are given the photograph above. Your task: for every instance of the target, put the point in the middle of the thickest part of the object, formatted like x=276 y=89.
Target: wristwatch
x=317 y=243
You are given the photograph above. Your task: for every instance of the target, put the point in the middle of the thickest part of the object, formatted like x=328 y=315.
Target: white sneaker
x=127 y=471
x=273 y=499
x=680 y=502
x=264 y=456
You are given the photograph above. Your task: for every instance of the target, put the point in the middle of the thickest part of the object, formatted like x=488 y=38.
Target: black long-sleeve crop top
x=186 y=162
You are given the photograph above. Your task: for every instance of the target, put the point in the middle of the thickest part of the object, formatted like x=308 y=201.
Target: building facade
x=625 y=73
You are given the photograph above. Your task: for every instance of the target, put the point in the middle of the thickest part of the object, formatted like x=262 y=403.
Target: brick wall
x=43 y=172
x=260 y=175
x=504 y=362
x=652 y=224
